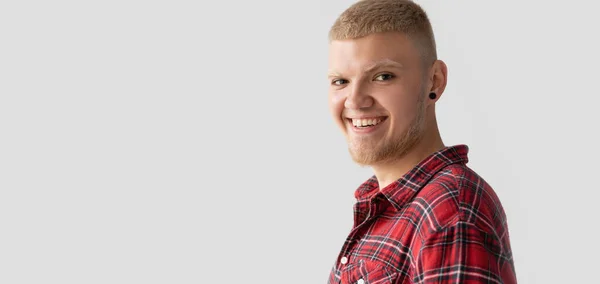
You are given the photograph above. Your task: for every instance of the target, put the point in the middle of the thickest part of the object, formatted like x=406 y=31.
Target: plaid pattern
x=439 y=223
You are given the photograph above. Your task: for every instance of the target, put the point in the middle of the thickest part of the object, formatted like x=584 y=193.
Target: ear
x=438 y=77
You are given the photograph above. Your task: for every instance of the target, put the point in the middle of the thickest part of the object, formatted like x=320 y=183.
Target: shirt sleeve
x=463 y=253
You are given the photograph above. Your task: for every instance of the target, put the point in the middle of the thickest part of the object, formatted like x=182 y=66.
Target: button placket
x=360 y=218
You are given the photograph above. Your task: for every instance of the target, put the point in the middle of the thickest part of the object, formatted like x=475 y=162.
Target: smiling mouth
x=366 y=122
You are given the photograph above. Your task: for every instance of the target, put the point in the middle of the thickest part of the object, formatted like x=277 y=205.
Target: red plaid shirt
x=439 y=223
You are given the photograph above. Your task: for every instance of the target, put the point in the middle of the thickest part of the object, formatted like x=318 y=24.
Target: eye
x=339 y=82
x=384 y=77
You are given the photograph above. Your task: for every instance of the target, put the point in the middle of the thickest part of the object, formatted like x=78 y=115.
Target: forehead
x=361 y=53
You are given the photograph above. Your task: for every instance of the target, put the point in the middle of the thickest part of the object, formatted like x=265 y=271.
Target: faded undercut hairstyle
x=366 y=17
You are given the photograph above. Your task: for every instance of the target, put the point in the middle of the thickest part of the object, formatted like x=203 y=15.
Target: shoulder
x=457 y=194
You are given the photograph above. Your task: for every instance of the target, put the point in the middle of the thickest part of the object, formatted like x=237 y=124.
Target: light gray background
x=179 y=142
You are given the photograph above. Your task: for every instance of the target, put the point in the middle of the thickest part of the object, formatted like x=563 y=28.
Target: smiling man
x=424 y=216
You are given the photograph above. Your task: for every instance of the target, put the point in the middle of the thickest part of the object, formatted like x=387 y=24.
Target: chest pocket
x=366 y=272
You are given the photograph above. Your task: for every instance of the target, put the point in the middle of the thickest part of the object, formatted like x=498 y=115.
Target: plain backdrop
x=190 y=141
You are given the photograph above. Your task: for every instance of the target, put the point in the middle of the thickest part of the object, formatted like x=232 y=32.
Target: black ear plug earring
x=432 y=95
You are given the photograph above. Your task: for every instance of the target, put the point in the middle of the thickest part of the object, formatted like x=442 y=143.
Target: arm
x=463 y=253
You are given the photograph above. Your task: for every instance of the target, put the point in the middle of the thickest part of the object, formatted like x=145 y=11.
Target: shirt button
x=344 y=260
x=360 y=281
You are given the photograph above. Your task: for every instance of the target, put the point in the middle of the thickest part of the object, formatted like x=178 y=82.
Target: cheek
x=336 y=107
x=403 y=111
x=336 y=103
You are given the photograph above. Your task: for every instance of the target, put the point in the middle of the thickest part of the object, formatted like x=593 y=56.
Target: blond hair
x=366 y=17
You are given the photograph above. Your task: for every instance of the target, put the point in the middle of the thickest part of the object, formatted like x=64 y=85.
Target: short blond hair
x=366 y=17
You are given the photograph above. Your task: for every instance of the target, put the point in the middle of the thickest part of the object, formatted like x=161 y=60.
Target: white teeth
x=365 y=122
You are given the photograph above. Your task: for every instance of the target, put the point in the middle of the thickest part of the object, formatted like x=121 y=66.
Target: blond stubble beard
x=370 y=152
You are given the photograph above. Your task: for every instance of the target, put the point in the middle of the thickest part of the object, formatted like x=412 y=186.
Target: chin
x=367 y=154
x=365 y=157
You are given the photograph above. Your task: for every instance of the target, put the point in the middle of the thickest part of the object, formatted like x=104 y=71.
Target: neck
x=390 y=171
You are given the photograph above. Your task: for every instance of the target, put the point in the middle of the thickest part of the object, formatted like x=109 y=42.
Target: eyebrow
x=374 y=66
x=383 y=63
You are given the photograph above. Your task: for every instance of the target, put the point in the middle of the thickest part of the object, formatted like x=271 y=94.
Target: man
x=424 y=217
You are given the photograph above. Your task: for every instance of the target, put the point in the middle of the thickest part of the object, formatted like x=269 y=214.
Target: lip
x=365 y=130
x=367 y=117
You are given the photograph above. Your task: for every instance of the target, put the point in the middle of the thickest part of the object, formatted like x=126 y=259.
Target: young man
x=424 y=217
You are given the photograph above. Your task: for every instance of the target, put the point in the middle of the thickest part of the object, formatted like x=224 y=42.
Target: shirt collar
x=402 y=190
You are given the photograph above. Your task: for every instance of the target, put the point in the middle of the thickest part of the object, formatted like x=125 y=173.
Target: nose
x=358 y=98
